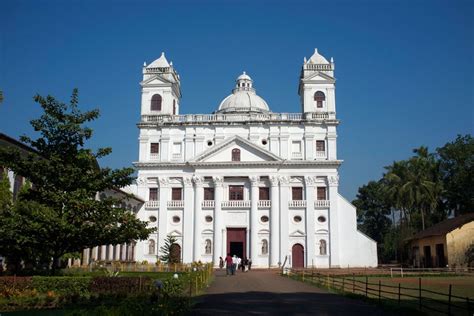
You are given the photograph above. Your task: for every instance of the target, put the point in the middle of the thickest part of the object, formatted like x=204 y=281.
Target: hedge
x=62 y=285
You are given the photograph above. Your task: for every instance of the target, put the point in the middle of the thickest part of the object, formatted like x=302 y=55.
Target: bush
x=120 y=285
x=62 y=285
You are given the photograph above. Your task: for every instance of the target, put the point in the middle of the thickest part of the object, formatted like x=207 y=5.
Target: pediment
x=297 y=233
x=319 y=77
x=249 y=152
x=155 y=80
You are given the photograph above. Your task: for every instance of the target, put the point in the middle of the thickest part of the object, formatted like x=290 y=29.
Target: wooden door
x=297 y=256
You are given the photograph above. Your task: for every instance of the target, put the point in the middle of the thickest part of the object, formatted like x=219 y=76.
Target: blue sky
x=404 y=69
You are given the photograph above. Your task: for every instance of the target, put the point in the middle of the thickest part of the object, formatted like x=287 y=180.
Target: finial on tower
x=171 y=63
x=315 y=50
x=332 y=59
x=163 y=54
x=304 y=60
x=144 y=64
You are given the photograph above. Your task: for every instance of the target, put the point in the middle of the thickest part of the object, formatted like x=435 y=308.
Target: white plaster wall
x=356 y=249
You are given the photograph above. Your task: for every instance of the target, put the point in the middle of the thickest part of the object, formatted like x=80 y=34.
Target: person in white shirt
x=235 y=261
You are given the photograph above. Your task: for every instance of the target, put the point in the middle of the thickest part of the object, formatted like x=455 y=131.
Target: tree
x=422 y=185
x=373 y=210
x=457 y=171
x=168 y=249
x=66 y=177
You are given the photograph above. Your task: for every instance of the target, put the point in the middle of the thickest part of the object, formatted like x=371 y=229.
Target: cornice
x=241 y=164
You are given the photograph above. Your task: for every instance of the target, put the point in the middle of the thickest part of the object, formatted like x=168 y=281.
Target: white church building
x=245 y=180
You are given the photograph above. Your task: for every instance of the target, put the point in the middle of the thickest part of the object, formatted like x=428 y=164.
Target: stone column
x=274 y=223
x=218 y=195
x=162 y=216
x=334 y=248
x=310 y=220
x=254 y=181
x=284 y=218
x=198 y=196
x=188 y=220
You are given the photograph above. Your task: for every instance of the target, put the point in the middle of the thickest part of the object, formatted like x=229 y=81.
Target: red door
x=297 y=255
x=236 y=242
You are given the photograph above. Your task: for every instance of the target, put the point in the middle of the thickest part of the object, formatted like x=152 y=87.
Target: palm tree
x=422 y=186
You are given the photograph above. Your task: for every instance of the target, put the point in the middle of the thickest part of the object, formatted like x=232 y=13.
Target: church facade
x=245 y=180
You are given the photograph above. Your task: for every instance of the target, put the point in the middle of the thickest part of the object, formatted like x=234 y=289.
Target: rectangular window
x=319 y=104
x=321 y=193
x=176 y=194
x=264 y=193
x=153 y=194
x=297 y=193
x=320 y=145
x=208 y=193
x=154 y=148
x=236 y=192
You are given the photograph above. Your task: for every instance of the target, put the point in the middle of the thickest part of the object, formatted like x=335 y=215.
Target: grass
x=462 y=287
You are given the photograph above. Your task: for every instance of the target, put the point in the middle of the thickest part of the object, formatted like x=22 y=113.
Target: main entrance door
x=236 y=242
x=297 y=256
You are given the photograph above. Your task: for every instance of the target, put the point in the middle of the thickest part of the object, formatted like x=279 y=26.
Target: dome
x=243 y=98
x=161 y=62
x=317 y=58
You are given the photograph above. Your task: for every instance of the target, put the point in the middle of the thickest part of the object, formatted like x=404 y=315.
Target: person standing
x=234 y=264
x=229 y=263
x=250 y=264
x=221 y=263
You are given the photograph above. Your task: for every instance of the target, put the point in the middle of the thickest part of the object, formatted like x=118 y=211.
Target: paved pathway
x=266 y=293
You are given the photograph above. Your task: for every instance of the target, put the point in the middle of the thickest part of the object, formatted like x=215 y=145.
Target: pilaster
x=164 y=190
x=310 y=220
x=198 y=196
x=284 y=218
x=274 y=223
x=254 y=181
x=218 y=195
x=334 y=249
x=188 y=220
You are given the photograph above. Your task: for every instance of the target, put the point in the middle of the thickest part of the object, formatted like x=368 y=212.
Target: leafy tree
x=457 y=171
x=373 y=210
x=167 y=250
x=66 y=214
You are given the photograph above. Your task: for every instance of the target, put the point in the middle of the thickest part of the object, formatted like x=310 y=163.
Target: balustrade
x=154 y=156
x=235 y=204
x=264 y=203
x=155 y=204
x=237 y=117
x=297 y=203
x=176 y=204
x=296 y=155
x=321 y=203
x=321 y=154
x=207 y=204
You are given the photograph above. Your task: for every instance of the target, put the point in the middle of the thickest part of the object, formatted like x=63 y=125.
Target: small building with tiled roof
x=444 y=244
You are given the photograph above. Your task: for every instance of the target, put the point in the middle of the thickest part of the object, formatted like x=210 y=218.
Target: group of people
x=233 y=263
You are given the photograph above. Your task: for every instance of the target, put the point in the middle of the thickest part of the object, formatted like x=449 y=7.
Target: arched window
x=208 y=247
x=235 y=154
x=264 y=247
x=156 y=102
x=151 y=247
x=322 y=247
x=319 y=97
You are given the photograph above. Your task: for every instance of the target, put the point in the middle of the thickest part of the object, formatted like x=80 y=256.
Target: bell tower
x=317 y=84
x=161 y=88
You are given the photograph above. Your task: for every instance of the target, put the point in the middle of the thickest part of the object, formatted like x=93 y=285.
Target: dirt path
x=266 y=293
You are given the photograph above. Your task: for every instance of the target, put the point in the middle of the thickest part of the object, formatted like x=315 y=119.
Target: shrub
x=62 y=285
x=12 y=286
x=120 y=285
